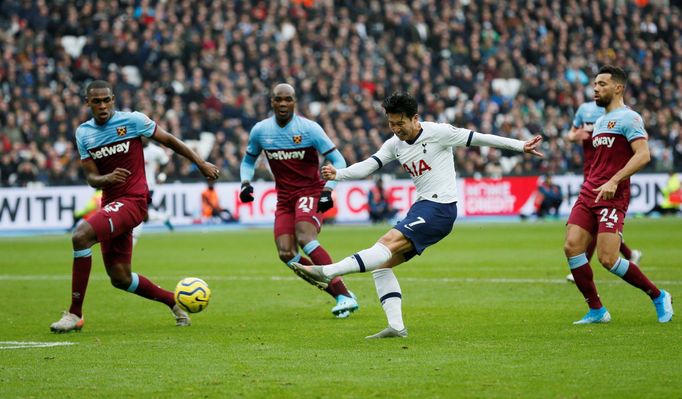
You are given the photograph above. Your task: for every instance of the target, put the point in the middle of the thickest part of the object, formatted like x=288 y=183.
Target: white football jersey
x=429 y=160
x=154 y=156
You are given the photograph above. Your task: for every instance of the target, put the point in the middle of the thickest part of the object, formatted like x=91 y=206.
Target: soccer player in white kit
x=424 y=149
x=155 y=158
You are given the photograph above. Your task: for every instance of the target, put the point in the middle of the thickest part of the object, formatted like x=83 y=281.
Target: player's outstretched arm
x=207 y=169
x=492 y=140
x=119 y=175
x=531 y=146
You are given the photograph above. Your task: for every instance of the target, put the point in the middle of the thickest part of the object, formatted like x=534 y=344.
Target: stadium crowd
x=203 y=70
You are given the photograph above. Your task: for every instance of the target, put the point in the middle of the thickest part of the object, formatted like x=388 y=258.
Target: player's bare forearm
x=176 y=145
x=634 y=165
x=96 y=180
x=640 y=158
x=207 y=169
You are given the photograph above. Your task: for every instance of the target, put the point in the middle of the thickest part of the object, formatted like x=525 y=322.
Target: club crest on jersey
x=298 y=139
x=611 y=124
x=122 y=130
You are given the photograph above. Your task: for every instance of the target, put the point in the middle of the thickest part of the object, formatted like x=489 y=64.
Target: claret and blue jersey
x=292 y=152
x=117 y=144
x=611 y=138
x=585 y=118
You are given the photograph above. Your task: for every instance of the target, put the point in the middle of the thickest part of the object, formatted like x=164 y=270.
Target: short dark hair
x=617 y=73
x=400 y=103
x=98 y=84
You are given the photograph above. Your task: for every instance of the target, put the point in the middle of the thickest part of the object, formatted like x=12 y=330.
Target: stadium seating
x=496 y=67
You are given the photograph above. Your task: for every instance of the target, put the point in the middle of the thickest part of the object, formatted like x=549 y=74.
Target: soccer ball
x=192 y=294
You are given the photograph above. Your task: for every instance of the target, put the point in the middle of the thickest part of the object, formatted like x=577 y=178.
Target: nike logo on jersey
x=120 y=148
x=285 y=155
x=607 y=141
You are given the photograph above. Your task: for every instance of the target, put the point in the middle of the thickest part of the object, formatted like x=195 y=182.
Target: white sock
x=390 y=295
x=366 y=260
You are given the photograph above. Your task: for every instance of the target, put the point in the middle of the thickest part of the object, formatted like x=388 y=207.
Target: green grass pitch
x=488 y=311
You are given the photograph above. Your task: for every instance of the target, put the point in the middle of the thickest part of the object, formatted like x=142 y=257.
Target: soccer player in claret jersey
x=621 y=149
x=292 y=145
x=424 y=149
x=111 y=157
x=581 y=132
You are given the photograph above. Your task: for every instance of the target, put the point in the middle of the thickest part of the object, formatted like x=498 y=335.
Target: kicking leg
x=393 y=242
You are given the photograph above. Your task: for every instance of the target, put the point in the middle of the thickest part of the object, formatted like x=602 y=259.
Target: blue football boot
x=345 y=306
x=595 y=316
x=664 y=307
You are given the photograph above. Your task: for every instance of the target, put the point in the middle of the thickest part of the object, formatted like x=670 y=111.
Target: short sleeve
x=578 y=118
x=253 y=147
x=454 y=136
x=82 y=149
x=633 y=127
x=144 y=126
x=321 y=141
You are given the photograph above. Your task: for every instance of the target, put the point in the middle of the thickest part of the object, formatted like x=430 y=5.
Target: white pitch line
x=497 y=280
x=24 y=344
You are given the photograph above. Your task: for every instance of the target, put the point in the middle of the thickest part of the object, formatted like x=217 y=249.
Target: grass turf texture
x=488 y=312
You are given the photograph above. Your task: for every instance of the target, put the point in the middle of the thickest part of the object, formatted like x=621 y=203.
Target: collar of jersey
x=410 y=142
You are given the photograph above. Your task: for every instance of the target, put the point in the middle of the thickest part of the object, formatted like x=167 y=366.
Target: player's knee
x=302 y=241
x=121 y=282
x=81 y=239
x=608 y=259
x=572 y=247
x=119 y=277
x=286 y=255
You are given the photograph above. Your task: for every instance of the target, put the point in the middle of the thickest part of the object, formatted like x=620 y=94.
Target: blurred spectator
x=548 y=198
x=672 y=197
x=378 y=203
x=211 y=208
x=197 y=67
x=91 y=207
